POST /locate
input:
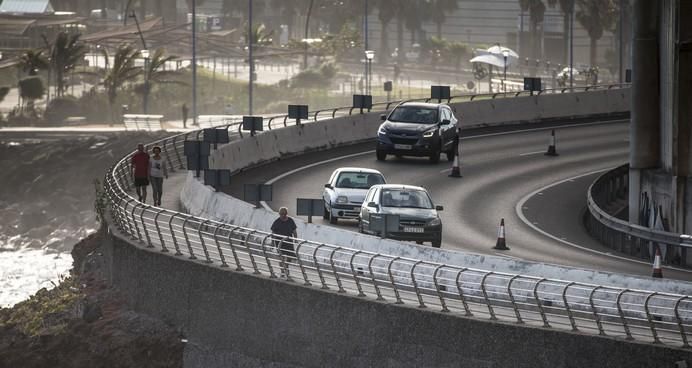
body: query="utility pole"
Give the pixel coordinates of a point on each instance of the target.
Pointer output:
(251, 61)
(365, 35)
(571, 48)
(194, 62)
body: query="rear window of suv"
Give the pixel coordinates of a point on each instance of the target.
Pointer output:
(356, 180)
(414, 114)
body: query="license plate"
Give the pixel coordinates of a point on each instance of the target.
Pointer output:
(403, 146)
(413, 229)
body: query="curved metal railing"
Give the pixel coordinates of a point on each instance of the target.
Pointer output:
(632, 239)
(603, 310)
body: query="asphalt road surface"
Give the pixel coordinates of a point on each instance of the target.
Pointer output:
(505, 175)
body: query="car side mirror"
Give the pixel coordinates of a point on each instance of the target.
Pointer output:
(373, 204)
(446, 122)
(439, 208)
(328, 186)
(383, 117)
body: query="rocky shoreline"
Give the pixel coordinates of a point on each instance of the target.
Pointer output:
(82, 322)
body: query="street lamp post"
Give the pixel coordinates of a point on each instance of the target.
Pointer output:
(145, 99)
(250, 60)
(369, 55)
(505, 55)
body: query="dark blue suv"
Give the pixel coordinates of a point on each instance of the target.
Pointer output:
(417, 129)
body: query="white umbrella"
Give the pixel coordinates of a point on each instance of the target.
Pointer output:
(500, 50)
(491, 59)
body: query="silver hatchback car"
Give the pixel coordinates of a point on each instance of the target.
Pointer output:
(418, 217)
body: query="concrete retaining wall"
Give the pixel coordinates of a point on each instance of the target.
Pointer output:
(236, 319)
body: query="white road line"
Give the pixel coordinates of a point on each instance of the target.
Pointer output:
(520, 213)
(531, 153)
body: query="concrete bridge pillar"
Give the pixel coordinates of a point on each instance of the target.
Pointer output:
(660, 136)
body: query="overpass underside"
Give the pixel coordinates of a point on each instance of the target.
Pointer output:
(660, 191)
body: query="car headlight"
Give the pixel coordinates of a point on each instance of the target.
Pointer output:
(382, 131)
(429, 134)
(435, 222)
(341, 199)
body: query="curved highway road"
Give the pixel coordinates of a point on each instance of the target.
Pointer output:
(505, 175)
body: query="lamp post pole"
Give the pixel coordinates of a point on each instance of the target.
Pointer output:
(194, 62)
(571, 48)
(145, 100)
(504, 78)
(365, 44)
(250, 60)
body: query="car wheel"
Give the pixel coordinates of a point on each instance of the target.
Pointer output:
(437, 243)
(435, 156)
(333, 219)
(381, 156)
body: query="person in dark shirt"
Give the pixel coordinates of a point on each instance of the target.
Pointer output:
(284, 230)
(140, 172)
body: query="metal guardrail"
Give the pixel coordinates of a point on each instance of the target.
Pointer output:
(634, 240)
(142, 122)
(602, 310)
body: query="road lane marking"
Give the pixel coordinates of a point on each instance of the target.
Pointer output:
(520, 213)
(531, 153)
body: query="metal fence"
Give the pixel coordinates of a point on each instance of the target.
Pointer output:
(631, 239)
(602, 310)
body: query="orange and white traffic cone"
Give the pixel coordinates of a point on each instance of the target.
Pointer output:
(456, 170)
(657, 272)
(551, 145)
(501, 244)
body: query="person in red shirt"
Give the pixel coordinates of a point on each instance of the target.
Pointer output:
(140, 172)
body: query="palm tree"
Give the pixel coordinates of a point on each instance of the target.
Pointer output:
(32, 61)
(123, 70)
(596, 16)
(66, 53)
(440, 8)
(386, 11)
(567, 7)
(536, 10)
(414, 14)
(458, 51)
(154, 74)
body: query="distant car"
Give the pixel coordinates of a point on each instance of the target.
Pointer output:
(418, 217)
(417, 129)
(344, 193)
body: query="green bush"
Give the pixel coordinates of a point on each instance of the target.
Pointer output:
(31, 88)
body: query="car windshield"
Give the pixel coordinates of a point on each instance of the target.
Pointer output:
(414, 114)
(357, 180)
(406, 198)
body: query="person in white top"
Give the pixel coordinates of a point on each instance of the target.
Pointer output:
(157, 171)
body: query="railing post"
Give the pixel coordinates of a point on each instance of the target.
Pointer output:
(272, 275)
(683, 334)
(569, 310)
(622, 314)
(187, 239)
(300, 264)
(594, 311)
(336, 274)
(372, 277)
(355, 274)
(134, 220)
(415, 285)
(649, 317)
(461, 293)
(438, 288)
(392, 281)
(238, 266)
(539, 304)
(175, 241)
(249, 252)
(218, 246)
(317, 266)
(485, 295)
(144, 225)
(511, 298)
(201, 240)
(158, 230)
